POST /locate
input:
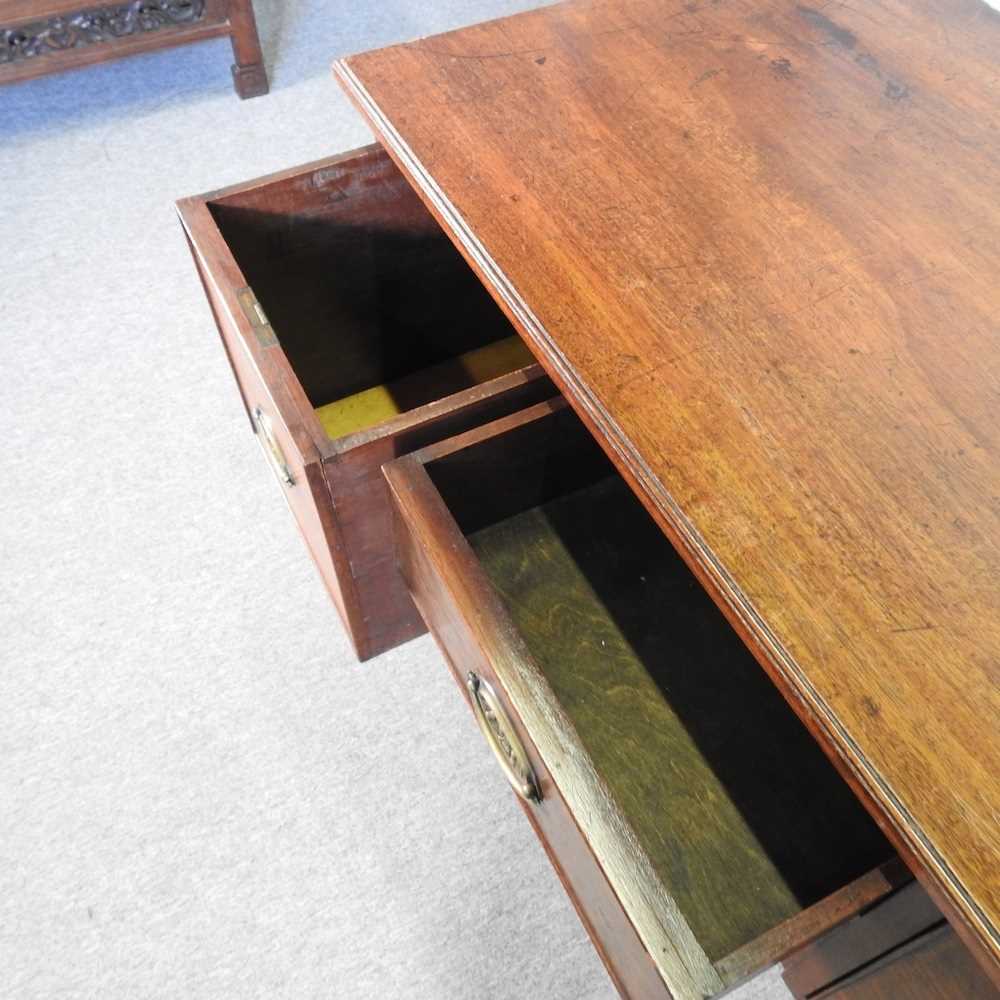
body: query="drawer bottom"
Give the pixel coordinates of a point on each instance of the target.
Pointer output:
(372, 406)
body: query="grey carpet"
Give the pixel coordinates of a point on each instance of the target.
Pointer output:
(201, 793)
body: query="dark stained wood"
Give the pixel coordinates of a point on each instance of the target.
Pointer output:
(934, 967)
(38, 37)
(327, 251)
(874, 931)
(526, 558)
(249, 74)
(756, 244)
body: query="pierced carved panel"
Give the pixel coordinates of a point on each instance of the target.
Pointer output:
(89, 27)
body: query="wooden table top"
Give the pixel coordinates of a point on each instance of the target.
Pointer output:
(758, 246)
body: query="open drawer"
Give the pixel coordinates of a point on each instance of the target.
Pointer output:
(356, 332)
(699, 829)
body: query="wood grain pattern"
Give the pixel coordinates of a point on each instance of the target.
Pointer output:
(757, 246)
(738, 810)
(468, 488)
(445, 609)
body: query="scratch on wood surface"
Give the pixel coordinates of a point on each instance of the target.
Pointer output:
(896, 91)
(782, 68)
(768, 313)
(476, 56)
(633, 94)
(832, 292)
(928, 276)
(867, 61)
(707, 75)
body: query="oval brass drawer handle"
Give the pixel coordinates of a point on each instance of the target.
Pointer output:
(272, 450)
(503, 740)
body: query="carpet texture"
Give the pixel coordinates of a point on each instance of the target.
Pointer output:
(203, 795)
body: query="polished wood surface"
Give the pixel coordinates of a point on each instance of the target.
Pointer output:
(757, 245)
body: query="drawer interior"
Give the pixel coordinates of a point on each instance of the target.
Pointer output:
(745, 821)
(375, 309)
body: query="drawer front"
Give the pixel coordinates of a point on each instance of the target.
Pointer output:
(493, 493)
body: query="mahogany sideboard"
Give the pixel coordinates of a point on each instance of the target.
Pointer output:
(48, 36)
(649, 359)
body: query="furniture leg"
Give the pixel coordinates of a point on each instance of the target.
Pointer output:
(249, 75)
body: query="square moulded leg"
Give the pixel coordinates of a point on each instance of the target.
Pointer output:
(249, 75)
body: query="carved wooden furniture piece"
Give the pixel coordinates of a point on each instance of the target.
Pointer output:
(47, 36)
(755, 246)
(356, 333)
